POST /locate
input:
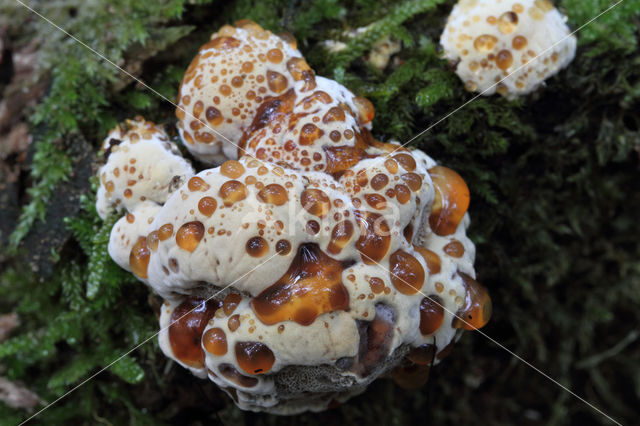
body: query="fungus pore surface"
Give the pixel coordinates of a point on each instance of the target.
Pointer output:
(314, 258)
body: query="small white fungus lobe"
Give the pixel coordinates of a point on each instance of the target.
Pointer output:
(515, 43)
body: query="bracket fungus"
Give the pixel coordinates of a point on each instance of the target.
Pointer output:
(315, 258)
(515, 43)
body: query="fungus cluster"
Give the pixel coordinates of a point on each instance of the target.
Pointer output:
(491, 42)
(315, 258)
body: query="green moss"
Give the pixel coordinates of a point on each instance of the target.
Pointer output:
(555, 202)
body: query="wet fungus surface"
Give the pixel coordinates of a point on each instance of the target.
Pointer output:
(312, 286)
(509, 46)
(311, 247)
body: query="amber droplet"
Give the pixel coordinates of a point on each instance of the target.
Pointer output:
(234, 322)
(477, 307)
(139, 258)
(309, 134)
(502, 89)
(408, 233)
(454, 249)
(410, 377)
(214, 116)
(197, 109)
(196, 183)
(277, 82)
(340, 236)
(403, 194)
(485, 43)
(165, 231)
(311, 286)
(231, 373)
(507, 22)
(422, 355)
(153, 240)
(188, 321)
(215, 341)
(519, 42)
(312, 227)
(536, 13)
(275, 56)
(406, 161)
(339, 158)
(391, 166)
(366, 111)
(247, 67)
(504, 60)
(300, 70)
(283, 247)
(407, 274)
(376, 284)
(207, 206)
(232, 191)
(273, 194)
(237, 81)
(431, 259)
(361, 178)
(188, 138)
(315, 201)
(413, 180)
(379, 181)
(375, 236)
(231, 302)
(232, 169)
(315, 97)
(451, 200)
(298, 67)
(257, 247)
(376, 201)
(225, 90)
(334, 114)
(254, 357)
(189, 235)
(544, 5)
(431, 314)
(222, 43)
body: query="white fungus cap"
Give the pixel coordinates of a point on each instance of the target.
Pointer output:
(142, 165)
(490, 39)
(226, 83)
(316, 262)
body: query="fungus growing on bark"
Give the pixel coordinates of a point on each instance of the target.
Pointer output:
(489, 40)
(315, 258)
